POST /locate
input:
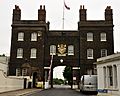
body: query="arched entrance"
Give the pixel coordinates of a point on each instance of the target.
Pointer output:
(61, 53)
(58, 77)
(50, 76)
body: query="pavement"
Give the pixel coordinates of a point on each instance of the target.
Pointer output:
(105, 94)
(20, 92)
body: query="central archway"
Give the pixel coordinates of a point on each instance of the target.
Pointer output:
(58, 80)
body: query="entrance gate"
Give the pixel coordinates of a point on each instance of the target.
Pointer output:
(48, 71)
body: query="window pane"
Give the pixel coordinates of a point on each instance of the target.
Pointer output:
(52, 50)
(18, 72)
(89, 36)
(24, 72)
(34, 37)
(103, 36)
(21, 36)
(33, 53)
(89, 53)
(19, 53)
(110, 76)
(70, 50)
(103, 52)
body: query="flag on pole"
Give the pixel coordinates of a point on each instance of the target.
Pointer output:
(66, 6)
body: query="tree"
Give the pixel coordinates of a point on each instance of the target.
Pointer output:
(58, 81)
(67, 73)
(2, 55)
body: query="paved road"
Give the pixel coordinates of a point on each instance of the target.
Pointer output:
(58, 92)
(20, 92)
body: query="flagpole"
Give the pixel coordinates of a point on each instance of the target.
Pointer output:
(68, 8)
(63, 15)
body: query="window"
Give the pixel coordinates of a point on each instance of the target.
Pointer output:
(70, 50)
(103, 52)
(89, 36)
(105, 77)
(89, 53)
(24, 72)
(34, 37)
(110, 76)
(52, 50)
(20, 36)
(115, 76)
(103, 37)
(33, 53)
(18, 73)
(19, 53)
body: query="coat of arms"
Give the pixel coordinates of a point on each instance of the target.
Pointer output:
(61, 49)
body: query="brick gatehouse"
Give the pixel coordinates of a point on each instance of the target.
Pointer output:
(33, 44)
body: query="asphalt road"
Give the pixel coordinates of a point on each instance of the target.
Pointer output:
(58, 92)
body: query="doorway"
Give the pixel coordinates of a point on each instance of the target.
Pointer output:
(34, 79)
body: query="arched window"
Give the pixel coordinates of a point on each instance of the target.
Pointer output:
(20, 36)
(89, 53)
(33, 53)
(89, 36)
(19, 53)
(70, 50)
(103, 37)
(115, 82)
(110, 75)
(105, 77)
(34, 36)
(52, 50)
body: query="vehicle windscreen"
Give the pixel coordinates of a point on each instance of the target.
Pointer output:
(90, 80)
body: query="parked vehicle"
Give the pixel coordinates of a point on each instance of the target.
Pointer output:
(39, 85)
(88, 83)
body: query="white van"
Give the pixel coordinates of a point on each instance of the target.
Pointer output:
(88, 83)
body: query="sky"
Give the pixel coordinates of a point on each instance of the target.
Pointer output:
(54, 14)
(58, 72)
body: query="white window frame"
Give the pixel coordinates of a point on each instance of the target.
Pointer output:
(110, 76)
(103, 37)
(70, 50)
(20, 36)
(19, 53)
(89, 36)
(103, 52)
(89, 53)
(33, 53)
(34, 36)
(24, 72)
(52, 49)
(18, 72)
